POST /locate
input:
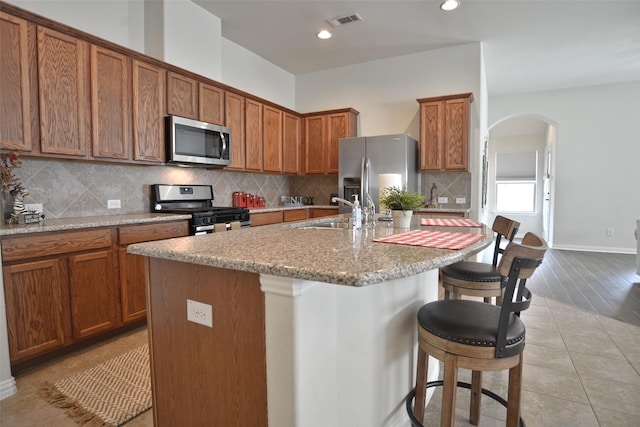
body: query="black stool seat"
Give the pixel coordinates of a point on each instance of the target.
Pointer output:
(472, 271)
(467, 322)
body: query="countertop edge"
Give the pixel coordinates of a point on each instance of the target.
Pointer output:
(65, 224)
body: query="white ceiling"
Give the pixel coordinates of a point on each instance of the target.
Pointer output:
(528, 45)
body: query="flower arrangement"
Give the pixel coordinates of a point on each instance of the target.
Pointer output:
(395, 198)
(10, 182)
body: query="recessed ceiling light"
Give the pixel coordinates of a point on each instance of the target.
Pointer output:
(449, 5)
(324, 34)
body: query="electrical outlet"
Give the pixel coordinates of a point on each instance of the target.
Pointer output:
(201, 313)
(37, 207)
(113, 204)
(443, 200)
(610, 232)
(461, 200)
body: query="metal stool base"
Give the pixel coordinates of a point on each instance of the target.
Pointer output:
(417, 423)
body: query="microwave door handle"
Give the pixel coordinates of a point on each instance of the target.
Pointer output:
(224, 145)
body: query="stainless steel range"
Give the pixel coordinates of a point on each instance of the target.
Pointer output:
(196, 200)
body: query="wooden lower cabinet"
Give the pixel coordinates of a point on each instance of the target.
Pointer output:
(295, 215)
(133, 299)
(37, 306)
(93, 293)
(65, 289)
(319, 213)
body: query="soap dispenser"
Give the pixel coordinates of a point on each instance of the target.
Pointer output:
(356, 214)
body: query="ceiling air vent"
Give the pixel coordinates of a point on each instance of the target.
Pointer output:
(346, 19)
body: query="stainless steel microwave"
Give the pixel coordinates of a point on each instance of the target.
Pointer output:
(192, 142)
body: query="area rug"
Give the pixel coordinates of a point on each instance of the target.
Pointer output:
(109, 394)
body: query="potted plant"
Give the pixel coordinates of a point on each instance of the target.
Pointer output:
(402, 204)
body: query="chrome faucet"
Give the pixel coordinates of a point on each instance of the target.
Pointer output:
(338, 199)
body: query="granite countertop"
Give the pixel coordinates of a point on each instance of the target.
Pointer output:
(436, 210)
(88, 222)
(338, 256)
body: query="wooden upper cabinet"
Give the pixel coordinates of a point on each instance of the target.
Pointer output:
(322, 134)
(63, 93)
(211, 104)
(234, 120)
(314, 137)
(340, 125)
(15, 93)
(182, 96)
(148, 112)
(272, 144)
(253, 135)
(444, 132)
(110, 104)
(291, 147)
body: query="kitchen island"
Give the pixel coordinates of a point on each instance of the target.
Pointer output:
(291, 324)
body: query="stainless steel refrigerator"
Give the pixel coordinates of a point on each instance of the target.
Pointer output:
(362, 159)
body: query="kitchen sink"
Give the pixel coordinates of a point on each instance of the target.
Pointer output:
(326, 225)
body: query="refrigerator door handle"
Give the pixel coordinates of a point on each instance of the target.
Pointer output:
(366, 163)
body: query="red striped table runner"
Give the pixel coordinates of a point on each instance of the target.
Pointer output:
(433, 239)
(449, 222)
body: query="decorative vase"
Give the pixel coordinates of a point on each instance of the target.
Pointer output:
(401, 219)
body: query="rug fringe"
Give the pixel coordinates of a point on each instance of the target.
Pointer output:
(52, 395)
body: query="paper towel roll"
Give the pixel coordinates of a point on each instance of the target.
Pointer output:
(386, 180)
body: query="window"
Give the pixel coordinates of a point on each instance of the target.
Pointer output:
(516, 181)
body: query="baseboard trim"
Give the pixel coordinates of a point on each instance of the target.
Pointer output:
(8, 388)
(604, 249)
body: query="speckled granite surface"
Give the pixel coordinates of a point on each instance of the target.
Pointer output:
(88, 222)
(339, 256)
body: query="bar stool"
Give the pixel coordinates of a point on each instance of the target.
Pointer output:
(479, 278)
(478, 336)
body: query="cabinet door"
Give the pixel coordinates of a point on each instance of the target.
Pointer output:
(15, 97)
(234, 114)
(338, 127)
(93, 292)
(133, 299)
(110, 104)
(272, 145)
(456, 144)
(148, 112)
(253, 135)
(182, 96)
(314, 132)
(63, 93)
(37, 296)
(291, 144)
(211, 104)
(431, 135)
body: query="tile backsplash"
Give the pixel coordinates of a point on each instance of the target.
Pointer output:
(448, 184)
(73, 188)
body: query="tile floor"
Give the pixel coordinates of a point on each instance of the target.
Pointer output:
(582, 368)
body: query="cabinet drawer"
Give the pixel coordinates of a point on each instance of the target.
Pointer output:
(265, 218)
(318, 213)
(39, 245)
(295, 215)
(156, 231)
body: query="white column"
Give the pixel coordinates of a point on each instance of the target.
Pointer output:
(342, 355)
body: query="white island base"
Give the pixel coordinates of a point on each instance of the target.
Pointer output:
(342, 355)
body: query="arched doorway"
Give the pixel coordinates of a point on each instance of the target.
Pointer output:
(518, 173)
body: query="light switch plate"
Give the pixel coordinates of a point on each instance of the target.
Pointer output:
(113, 204)
(443, 200)
(201, 313)
(461, 200)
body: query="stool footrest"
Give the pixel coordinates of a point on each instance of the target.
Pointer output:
(418, 423)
